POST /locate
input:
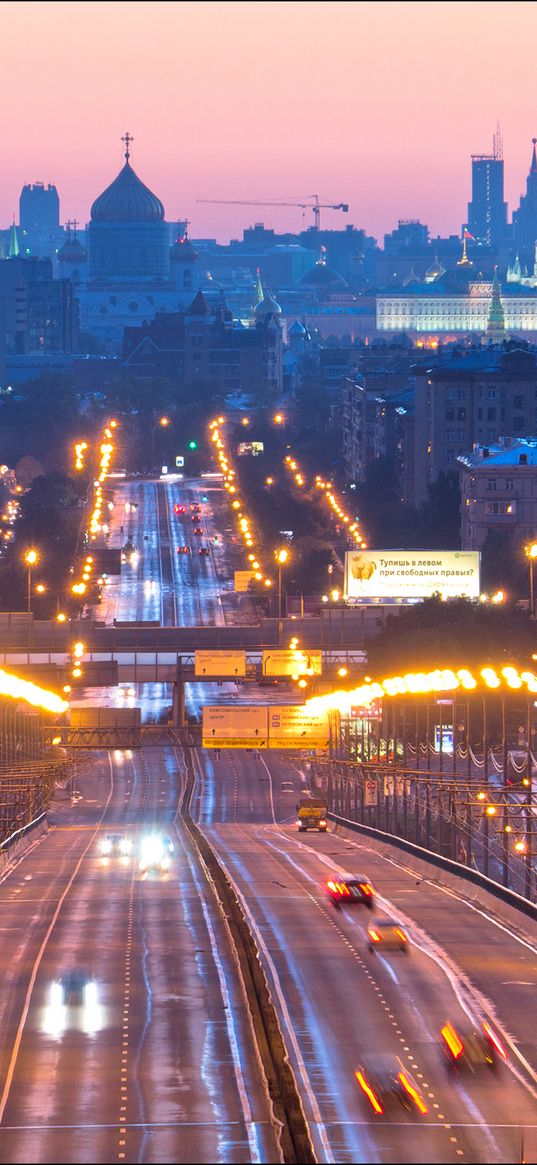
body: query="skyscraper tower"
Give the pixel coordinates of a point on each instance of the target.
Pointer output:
(525, 218)
(487, 212)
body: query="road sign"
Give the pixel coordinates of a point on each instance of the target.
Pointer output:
(234, 726)
(293, 726)
(370, 793)
(220, 663)
(292, 663)
(179, 462)
(243, 579)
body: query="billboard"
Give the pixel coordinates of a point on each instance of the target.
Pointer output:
(234, 726)
(293, 726)
(250, 448)
(242, 580)
(219, 663)
(276, 662)
(390, 576)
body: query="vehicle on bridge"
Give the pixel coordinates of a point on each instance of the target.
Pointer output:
(155, 853)
(387, 1084)
(388, 934)
(184, 550)
(115, 845)
(471, 1049)
(204, 551)
(351, 890)
(129, 553)
(177, 509)
(73, 1002)
(311, 814)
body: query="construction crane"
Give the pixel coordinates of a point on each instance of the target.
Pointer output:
(313, 204)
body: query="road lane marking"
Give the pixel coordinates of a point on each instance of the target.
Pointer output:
(29, 991)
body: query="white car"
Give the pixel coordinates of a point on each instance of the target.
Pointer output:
(154, 854)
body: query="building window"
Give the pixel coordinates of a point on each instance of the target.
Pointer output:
(491, 414)
(461, 414)
(461, 394)
(450, 414)
(491, 483)
(491, 393)
(518, 424)
(509, 484)
(450, 434)
(480, 414)
(519, 402)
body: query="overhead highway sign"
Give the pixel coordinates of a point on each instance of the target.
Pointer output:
(276, 662)
(220, 663)
(234, 726)
(293, 726)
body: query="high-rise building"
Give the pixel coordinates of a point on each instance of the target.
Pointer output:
(525, 218)
(487, 212)
(39, 206)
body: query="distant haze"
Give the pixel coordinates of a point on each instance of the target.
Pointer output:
(377, 105)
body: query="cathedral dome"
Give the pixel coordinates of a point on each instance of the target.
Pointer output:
(267, 307)
(127, 200)
(72, 251)
(183, 251)
(323, 278)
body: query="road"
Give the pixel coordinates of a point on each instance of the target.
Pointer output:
(169, 1071)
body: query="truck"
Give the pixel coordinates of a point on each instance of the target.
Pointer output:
(311, 814)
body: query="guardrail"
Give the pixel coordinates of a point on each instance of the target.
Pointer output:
(461, 871)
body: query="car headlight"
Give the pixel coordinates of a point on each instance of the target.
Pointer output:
(56, 995)
(106, 847)
(91, 997)
(125, 845)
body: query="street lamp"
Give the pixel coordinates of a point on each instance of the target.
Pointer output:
(31, 559)
(531, 552)
(281, 557)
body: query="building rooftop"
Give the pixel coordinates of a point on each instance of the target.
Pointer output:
(510, 452)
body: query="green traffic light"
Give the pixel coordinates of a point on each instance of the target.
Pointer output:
(192, 444)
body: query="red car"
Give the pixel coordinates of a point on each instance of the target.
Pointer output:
(197, 530)
(184, 550)
(351, 891)
(177, 509)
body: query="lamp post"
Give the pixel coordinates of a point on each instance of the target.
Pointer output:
(162, 423)
(281, 557)
(531, 552)
(31, 559)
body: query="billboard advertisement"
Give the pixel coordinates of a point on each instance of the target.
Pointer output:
(250, 448)
(391, 576)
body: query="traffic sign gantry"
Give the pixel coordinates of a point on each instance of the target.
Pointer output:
(293, 726)
(220, 663)
(291, 662)
(236, 726)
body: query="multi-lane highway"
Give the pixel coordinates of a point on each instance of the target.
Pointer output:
(164, 1067)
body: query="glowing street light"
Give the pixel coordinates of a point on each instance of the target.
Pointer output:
(281, 557)
(31, 559)
(531, 553)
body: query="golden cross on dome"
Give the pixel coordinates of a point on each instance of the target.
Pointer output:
(127, 139)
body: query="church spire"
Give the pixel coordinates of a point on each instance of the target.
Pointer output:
(533, 167)
(496, 320)
(259, 293)
(14, 248)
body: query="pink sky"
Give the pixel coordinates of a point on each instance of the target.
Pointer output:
(378, 105)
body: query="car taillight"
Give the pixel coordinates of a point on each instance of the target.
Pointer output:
(414, 1095)
(373, 1100)
(401, 934)
(374, 936)
(366, 889)
(322, 822)
(494, 1040)
(452, 1040)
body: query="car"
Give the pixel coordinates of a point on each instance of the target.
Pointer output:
(351, 890)
(197, 530)
(472, 1048)
(177, 509)
(129, 553)
(184, 550)
(195, 506)
(388, 934)
(204, 551)
(195, 516)
(73, 1002)
(387, 1084)
(114, 845)
(155, 853)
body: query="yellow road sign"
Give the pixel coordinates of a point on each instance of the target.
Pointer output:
(278, 662)
(220, 663)
(293, 726)
(234, 726)
(243, 579)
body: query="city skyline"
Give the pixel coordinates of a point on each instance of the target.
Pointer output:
(376, 105)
